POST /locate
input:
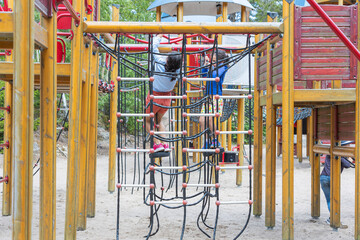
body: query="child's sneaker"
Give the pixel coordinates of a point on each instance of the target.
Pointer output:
(159, 147)
(215, 144)
(166, 147)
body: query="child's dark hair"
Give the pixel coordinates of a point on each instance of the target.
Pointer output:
(222, 55)
(173, 63)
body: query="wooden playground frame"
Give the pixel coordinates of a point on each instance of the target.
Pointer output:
(19, 32)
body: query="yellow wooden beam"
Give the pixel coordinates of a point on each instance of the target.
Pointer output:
(94, 71)
(288, 122)
(74, 127)
(84, 127)
(7, 28)
(315, 170)
(240, 139)
(299, 139)
(23, 119)
(48, 133)
(180, 12)
(7, 25)
(7, 164)
(315, 96)
(335, 171)
(182, 28)
(158, 14)
(258, 129)
(270, 146)
(94, 65)
(113, 132)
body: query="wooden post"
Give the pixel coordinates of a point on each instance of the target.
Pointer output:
(74, 126)
(84, 130)
(113, 132)
(270, 143)
(158, 14)
(258, 128)
(7, 166)
(225, 11)
(335, 171)
(113, 118)
(308, 122)
(315, 168)
(288, 122)
(240, 139)
(180, 12)
(223, 126)
(23, 119)
(7, 171)
(229, 140)
(94, 73)
(48, 133)
(357, 149)
(299, 139)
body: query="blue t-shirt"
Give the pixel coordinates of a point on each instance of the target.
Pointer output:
(211, 85)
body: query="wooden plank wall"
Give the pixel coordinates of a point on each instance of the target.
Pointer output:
(345, 123)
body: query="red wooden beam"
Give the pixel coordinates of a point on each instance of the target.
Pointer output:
(335, 28)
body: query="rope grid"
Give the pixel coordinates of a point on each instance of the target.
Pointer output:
(166, 183)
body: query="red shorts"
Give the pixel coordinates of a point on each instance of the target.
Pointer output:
(163, 102)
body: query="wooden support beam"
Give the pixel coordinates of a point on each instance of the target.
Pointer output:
(240, 139)
(288, 122)
(7, 164)
(299, 139)
(357, 148)
(258, 129)
(113, 132)
(84, 136)
(308, 122)
(23, 119)
(312, 97)
(229, 127)
(180, 12)
(335, 171)
(74, 127)
(48, 133)
(7, 27)
(113, 119)
(183, 28)
(270, 145)
(315, 169)
(158, 14)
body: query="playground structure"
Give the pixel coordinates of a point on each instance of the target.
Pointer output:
(302, 76)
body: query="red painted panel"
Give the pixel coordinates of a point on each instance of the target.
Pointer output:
(354, 40)
(325, 71)
(325, 52)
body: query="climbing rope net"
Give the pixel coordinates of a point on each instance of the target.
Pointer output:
(169, 180)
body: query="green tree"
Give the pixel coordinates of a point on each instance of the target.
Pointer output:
(264, 6)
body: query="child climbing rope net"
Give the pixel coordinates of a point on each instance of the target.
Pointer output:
(152, 173)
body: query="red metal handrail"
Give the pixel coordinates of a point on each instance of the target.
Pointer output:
(335, 28)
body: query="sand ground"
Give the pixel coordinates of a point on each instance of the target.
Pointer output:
(134, 215)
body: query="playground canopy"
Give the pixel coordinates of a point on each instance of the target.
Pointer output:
(204, 7)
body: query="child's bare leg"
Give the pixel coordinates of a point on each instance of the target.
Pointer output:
(148, 124)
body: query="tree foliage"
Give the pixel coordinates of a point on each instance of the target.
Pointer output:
(264, 6)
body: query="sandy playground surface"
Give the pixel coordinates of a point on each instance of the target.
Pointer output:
(135, 215)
